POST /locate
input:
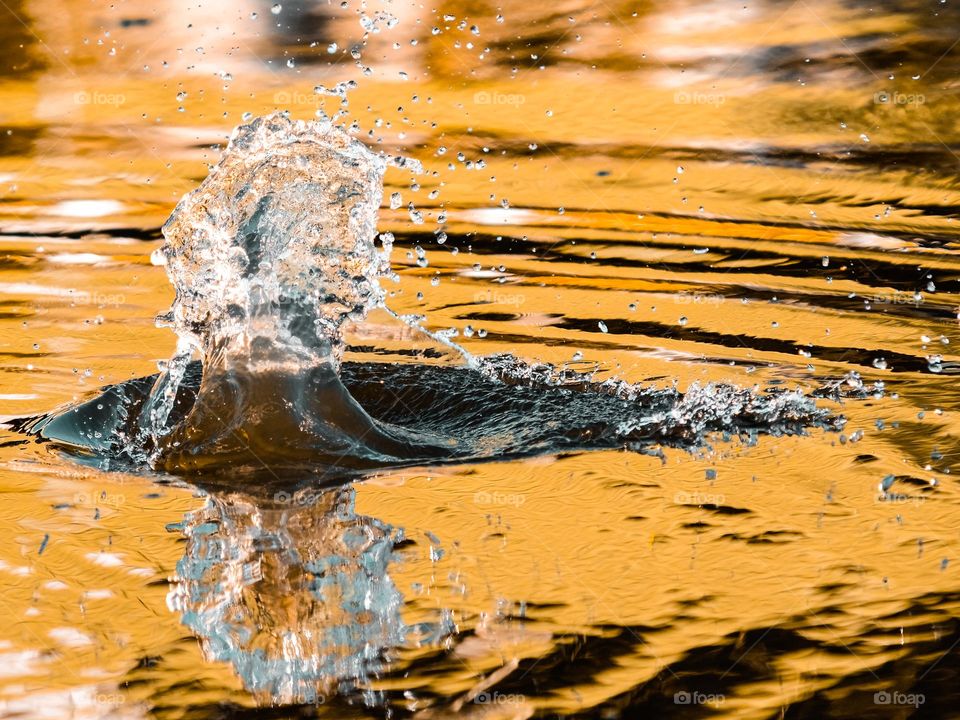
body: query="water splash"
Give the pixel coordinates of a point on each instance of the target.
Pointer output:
(270, 256)
(276, 249)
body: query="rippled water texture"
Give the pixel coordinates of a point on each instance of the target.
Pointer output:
(666, 197)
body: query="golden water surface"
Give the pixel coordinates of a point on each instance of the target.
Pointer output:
(754, 192)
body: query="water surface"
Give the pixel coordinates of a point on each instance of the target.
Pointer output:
(739, 195)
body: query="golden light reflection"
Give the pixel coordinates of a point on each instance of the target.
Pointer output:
(761, 194)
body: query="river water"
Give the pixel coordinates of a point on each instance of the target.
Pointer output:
(761, 195)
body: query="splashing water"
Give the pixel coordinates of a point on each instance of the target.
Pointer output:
(275, 249)
(269, 257)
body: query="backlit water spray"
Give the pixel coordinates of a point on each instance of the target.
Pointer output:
(270, 256)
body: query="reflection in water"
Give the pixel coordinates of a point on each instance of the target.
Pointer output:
(296, 594)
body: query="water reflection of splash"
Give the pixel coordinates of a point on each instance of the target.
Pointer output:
(295, 594)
